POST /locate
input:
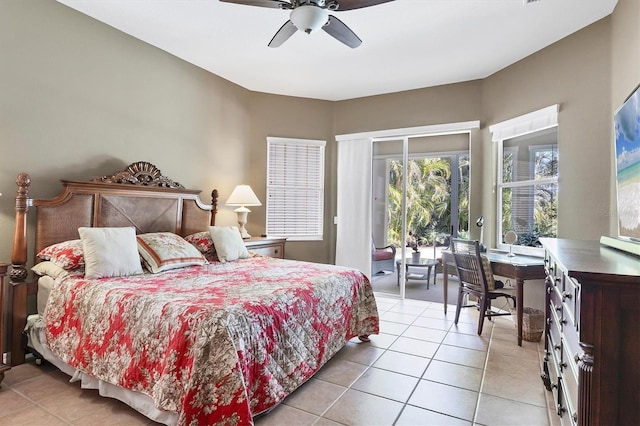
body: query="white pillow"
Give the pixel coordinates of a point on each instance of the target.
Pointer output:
(228, 243)
(110, 252)
(48, 268)
(165, 250)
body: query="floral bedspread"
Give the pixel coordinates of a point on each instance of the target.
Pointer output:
(217, 343)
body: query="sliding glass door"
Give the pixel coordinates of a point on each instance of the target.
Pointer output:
(420, 200)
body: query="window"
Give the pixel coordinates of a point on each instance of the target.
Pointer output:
(527, 178)
(295, 188)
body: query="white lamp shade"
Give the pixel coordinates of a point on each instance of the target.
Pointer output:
(309, 18)
(243, 195)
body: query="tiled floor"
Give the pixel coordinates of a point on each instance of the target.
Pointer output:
(421, 370)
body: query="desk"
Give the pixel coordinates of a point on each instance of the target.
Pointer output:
(519, 268)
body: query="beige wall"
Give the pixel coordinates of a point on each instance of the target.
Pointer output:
(625, 73)
(81, 99)
(289, 117)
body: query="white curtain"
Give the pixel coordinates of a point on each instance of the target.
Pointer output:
(353, 233)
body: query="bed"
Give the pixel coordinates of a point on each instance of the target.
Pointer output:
(180, 332)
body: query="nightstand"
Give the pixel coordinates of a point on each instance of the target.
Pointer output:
(3, 367)
(272, 247)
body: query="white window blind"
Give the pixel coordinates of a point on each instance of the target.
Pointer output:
(295, 188)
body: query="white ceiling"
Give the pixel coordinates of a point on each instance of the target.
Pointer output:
(407, 44)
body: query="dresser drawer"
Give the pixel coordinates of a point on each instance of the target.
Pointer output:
(552, 270)
(570, 381)
(570, 297)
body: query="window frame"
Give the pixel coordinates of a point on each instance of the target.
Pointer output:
(318, 189)
(543, 119)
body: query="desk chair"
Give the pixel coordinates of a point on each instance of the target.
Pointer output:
(476, 278)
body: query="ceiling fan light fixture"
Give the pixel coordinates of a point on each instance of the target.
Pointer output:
(309, 18)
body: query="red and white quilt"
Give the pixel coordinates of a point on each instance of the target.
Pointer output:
(217, 343)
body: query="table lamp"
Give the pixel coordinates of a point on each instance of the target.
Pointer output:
(243, 196)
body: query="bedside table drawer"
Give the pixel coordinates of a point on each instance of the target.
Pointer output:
(271, 251)
(271, 247)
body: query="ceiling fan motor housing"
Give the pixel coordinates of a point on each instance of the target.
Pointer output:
(309, 18)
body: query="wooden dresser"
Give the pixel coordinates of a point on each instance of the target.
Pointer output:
(272, 247)
(592, 358)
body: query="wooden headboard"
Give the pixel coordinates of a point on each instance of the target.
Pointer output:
(139, 196)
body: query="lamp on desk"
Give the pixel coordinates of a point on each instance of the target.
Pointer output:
(243, 196)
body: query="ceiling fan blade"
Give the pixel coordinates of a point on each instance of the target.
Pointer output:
(357, 4)
(337, 29)
(276, 4)
(283, 34)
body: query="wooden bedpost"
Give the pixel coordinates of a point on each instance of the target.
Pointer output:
(214, 206)
(18, 275)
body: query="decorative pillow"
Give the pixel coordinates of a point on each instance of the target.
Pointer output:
(228, 243)
(48, 268)
(67, 255)
(164, 250)
(488, 272)
(202, 241)
(110, 252)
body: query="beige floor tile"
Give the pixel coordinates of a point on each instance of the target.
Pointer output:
(437, 323)
(462, 356)
(498, 411)
(286, 415)
(392, 327)
(12, 402)
(382, 340)
(454, 374)
(469, 341)
(399, 318)
(471, 328)
(73, 407)
(520, 388)
(46, 385)
(414, 347)
(359, 408)
(511, 348)
(398, 362)
(32, 416)
(113, 412)
(415, 416)
(445, 399)
(408, 309)
(386, 384)
(423, 333)
(315, 396)
(362, 353)
(524, 367)
(340, 372)
(25, 371)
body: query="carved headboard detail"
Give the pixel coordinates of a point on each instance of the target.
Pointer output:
(139, 196)
(140, 173)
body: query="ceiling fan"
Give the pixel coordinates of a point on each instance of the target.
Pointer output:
(311, 15)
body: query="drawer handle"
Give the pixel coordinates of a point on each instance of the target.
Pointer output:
(559, 308)
(549, 321)
(566, 295)
(276, 251)
(561, 410)
(563, 321)
(557, 347)
(577, 358)
(548, 290)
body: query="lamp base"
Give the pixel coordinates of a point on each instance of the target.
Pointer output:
(242, 213)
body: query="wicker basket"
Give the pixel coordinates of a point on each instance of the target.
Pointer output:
(532, 323)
